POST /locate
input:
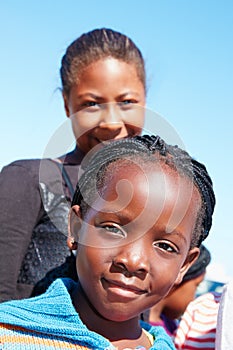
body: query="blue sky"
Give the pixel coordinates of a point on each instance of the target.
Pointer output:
(187, 46)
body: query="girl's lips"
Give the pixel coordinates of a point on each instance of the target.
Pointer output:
(122, 289)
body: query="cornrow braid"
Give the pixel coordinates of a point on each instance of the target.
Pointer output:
(149, 149)
(200, 176)
(95, 45)
(205, 185)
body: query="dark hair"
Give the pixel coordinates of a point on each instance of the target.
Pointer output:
(148, 149)
(95, 45)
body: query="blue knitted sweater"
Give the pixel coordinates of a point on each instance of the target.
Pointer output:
(50, 321)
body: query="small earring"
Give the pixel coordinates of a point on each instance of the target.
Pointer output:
(73, 243)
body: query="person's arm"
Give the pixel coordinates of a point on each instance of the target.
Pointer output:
(20, 205)
(224, 334)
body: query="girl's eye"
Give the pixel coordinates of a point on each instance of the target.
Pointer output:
(168, 247)
(89, 104)
(113, 230)
(89, 107)
(127, 102)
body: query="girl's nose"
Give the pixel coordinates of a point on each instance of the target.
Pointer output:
(111, 117)
(133, 259)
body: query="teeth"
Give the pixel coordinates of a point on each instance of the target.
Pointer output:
(105, 142)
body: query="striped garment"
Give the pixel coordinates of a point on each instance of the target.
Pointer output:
(18, 338)
(197, 328)
(50, 321)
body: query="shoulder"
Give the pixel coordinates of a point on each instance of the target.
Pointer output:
(55, 301)
(206, 301)
(19, 176)
(34, 168)
(210, 296)
(198, 321)
(51, 315)
(31, 166)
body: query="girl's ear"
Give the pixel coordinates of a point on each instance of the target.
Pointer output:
(189, 261)
(74, 226)
(66, 104)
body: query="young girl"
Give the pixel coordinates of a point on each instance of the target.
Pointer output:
(140, 211)
(103, 87)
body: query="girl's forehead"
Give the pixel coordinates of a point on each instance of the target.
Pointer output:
(151, 187)
(108, 64)
(146, 174)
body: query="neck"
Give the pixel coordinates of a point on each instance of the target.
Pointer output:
(155, 312)
(141, 342)
(74, 157)
(121, 334)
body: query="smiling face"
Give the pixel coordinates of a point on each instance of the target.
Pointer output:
(134, 244)
(106, 103)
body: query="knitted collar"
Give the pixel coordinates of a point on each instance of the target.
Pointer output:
(53, 314)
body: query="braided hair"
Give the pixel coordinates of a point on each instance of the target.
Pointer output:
(150, 149)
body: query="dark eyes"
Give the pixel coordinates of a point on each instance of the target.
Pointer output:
(92, 104)
(127, 102)
(166, 246)
(89, 104)
(113, 230)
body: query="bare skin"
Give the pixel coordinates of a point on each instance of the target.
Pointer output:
(124, 265)
(106, 103)
(174, 305)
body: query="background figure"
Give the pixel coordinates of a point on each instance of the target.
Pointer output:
(197, 328)
(103, 85)
(168, 311)
(224, 332)
(139, 214)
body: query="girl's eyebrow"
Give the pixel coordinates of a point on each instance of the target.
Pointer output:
(175, 233)
(89, 95)
(97, 97)
(113, 215)
(130, 92)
